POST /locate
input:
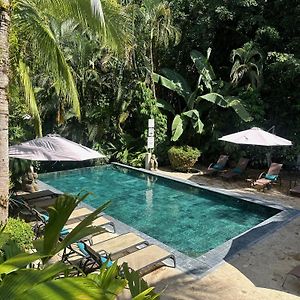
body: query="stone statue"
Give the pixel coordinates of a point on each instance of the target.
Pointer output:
(29, 181)
(153, 165)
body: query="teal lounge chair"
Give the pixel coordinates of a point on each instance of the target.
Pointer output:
(266, 179)
(218, 166)
(142, 260)
(238, 171)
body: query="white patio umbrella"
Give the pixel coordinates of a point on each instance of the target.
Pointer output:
(255, 136)
(53, 148)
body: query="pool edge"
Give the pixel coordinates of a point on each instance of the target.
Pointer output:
(206, 263)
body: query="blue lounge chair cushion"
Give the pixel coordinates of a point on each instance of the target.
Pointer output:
(64, 231)
(82, 249)
(108, 262)
(271, 177)
(45, 218)
(85, 253)
(218, 166)
(237, 170)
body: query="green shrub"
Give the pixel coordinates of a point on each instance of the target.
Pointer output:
(183, 158)
(20, 232)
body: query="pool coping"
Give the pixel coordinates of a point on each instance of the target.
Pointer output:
(207, 262)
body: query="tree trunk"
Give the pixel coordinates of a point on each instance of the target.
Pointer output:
(4, 68)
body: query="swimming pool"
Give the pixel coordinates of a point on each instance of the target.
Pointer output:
(189, 219)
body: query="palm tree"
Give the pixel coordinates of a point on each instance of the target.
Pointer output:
(153, 28)
(4, 59)
(30, 19)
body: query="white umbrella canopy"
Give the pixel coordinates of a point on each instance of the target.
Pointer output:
(53, 148)
(255, 136)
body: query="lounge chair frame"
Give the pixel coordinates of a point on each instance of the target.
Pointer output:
(83, 263)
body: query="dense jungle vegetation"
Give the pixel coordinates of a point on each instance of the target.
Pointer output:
(201, 68)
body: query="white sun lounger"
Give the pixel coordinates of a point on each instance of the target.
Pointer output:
(100, 221)
(119, 244)
(81, 213)
(147, 258)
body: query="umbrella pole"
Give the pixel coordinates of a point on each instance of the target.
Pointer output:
(269, 159)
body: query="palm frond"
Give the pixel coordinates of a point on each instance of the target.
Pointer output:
(29, 20)
(29, 96)
(107, 18)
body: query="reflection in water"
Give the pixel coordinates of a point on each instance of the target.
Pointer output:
(149, 191)
(149, 198)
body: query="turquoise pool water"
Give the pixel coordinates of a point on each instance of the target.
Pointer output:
(188, 219)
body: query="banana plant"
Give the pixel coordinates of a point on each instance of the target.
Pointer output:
(207, 82)
(247, 62)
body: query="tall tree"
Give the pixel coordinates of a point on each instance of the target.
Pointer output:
(4, 60)
(31, 18)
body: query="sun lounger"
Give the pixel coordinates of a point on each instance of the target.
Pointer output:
(38, 195)
(143, 260)
(119, 244)
(81, 212)
(94, 255)
(265, 180)
(41, 199)
(218, 166)
(147, 259)
(238, 170)
(100, 221)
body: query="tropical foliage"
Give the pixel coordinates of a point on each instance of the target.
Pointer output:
(219, 67)
(183, 158)
(19, 233)
(193, 108)
(29, 274)
(165, 44)
(38, 44)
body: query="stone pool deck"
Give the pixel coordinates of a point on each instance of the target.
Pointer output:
(256, 272)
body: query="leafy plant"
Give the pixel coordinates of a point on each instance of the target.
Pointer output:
(191, 113)
(35, 38)
(147, 108)
(20, 232)
(183, 158)
(247, 61)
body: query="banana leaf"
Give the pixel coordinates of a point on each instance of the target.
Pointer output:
(165, 105)
(235, 103)
(178, 126)
(195, 119)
